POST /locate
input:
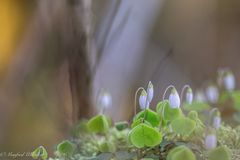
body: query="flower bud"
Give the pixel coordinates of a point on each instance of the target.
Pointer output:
(216, 122)
(150, 92)
(229, 81)
(143, 99)
(147, 104)
(174, 99)
(105, 100)
(212, 94)
(189, 96)
(210, 141)
(199, 96)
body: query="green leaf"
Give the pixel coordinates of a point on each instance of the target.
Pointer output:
(200, 127)
(169, 113)
(183, 125)
(98, 124)
(140, 121)
(224, 96)
(151, 117)
(144, 136)
(121, 125)
(194, 116)
(236, 99)
(196, 106)
(220, 153)
(81, 127)
(65, 148)
(181, 153)
(236, 117)
(40, 152)
(107, 146)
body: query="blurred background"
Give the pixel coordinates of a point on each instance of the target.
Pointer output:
(56, 55)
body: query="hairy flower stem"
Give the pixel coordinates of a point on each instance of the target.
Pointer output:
(162, 113)
(145, 109)
(145, 113)
(163, 98)
(212, 111)
(182, 91)
(165, 92)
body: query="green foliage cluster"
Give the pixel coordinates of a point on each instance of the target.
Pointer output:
(166, 133)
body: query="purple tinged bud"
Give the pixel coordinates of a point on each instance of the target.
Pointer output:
(199, 96)
(143, 99)
(229, 81)
(148, 104)
(150, 92)
(105, 100)
(212, 94)
(189, 96)
(217, 122)
(174, 99)
(210, 141)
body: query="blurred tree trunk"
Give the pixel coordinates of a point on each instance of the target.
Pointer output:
(76, 41)
(58, 33)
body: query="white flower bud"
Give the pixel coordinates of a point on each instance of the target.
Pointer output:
(210, 141)
(105, 100)
(229, 81)
(143, 99)
(217, 122)
(150, 92)
(189, 96)
(199, 96)
(174, 99)
(212, 94)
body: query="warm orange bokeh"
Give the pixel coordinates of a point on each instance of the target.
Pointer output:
(13, 18)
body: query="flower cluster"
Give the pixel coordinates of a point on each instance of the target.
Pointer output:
(177, 128)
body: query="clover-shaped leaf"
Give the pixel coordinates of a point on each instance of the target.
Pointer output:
(144, 136)
(140, 121)
(220, 153)
(200, 127)
(194, 116)
(181, 153)
(196, 106)
(40, 153)
(183, 126)
(65, 148)
(98, 124)
(169, 114)
(151, 117)
(80, 127)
